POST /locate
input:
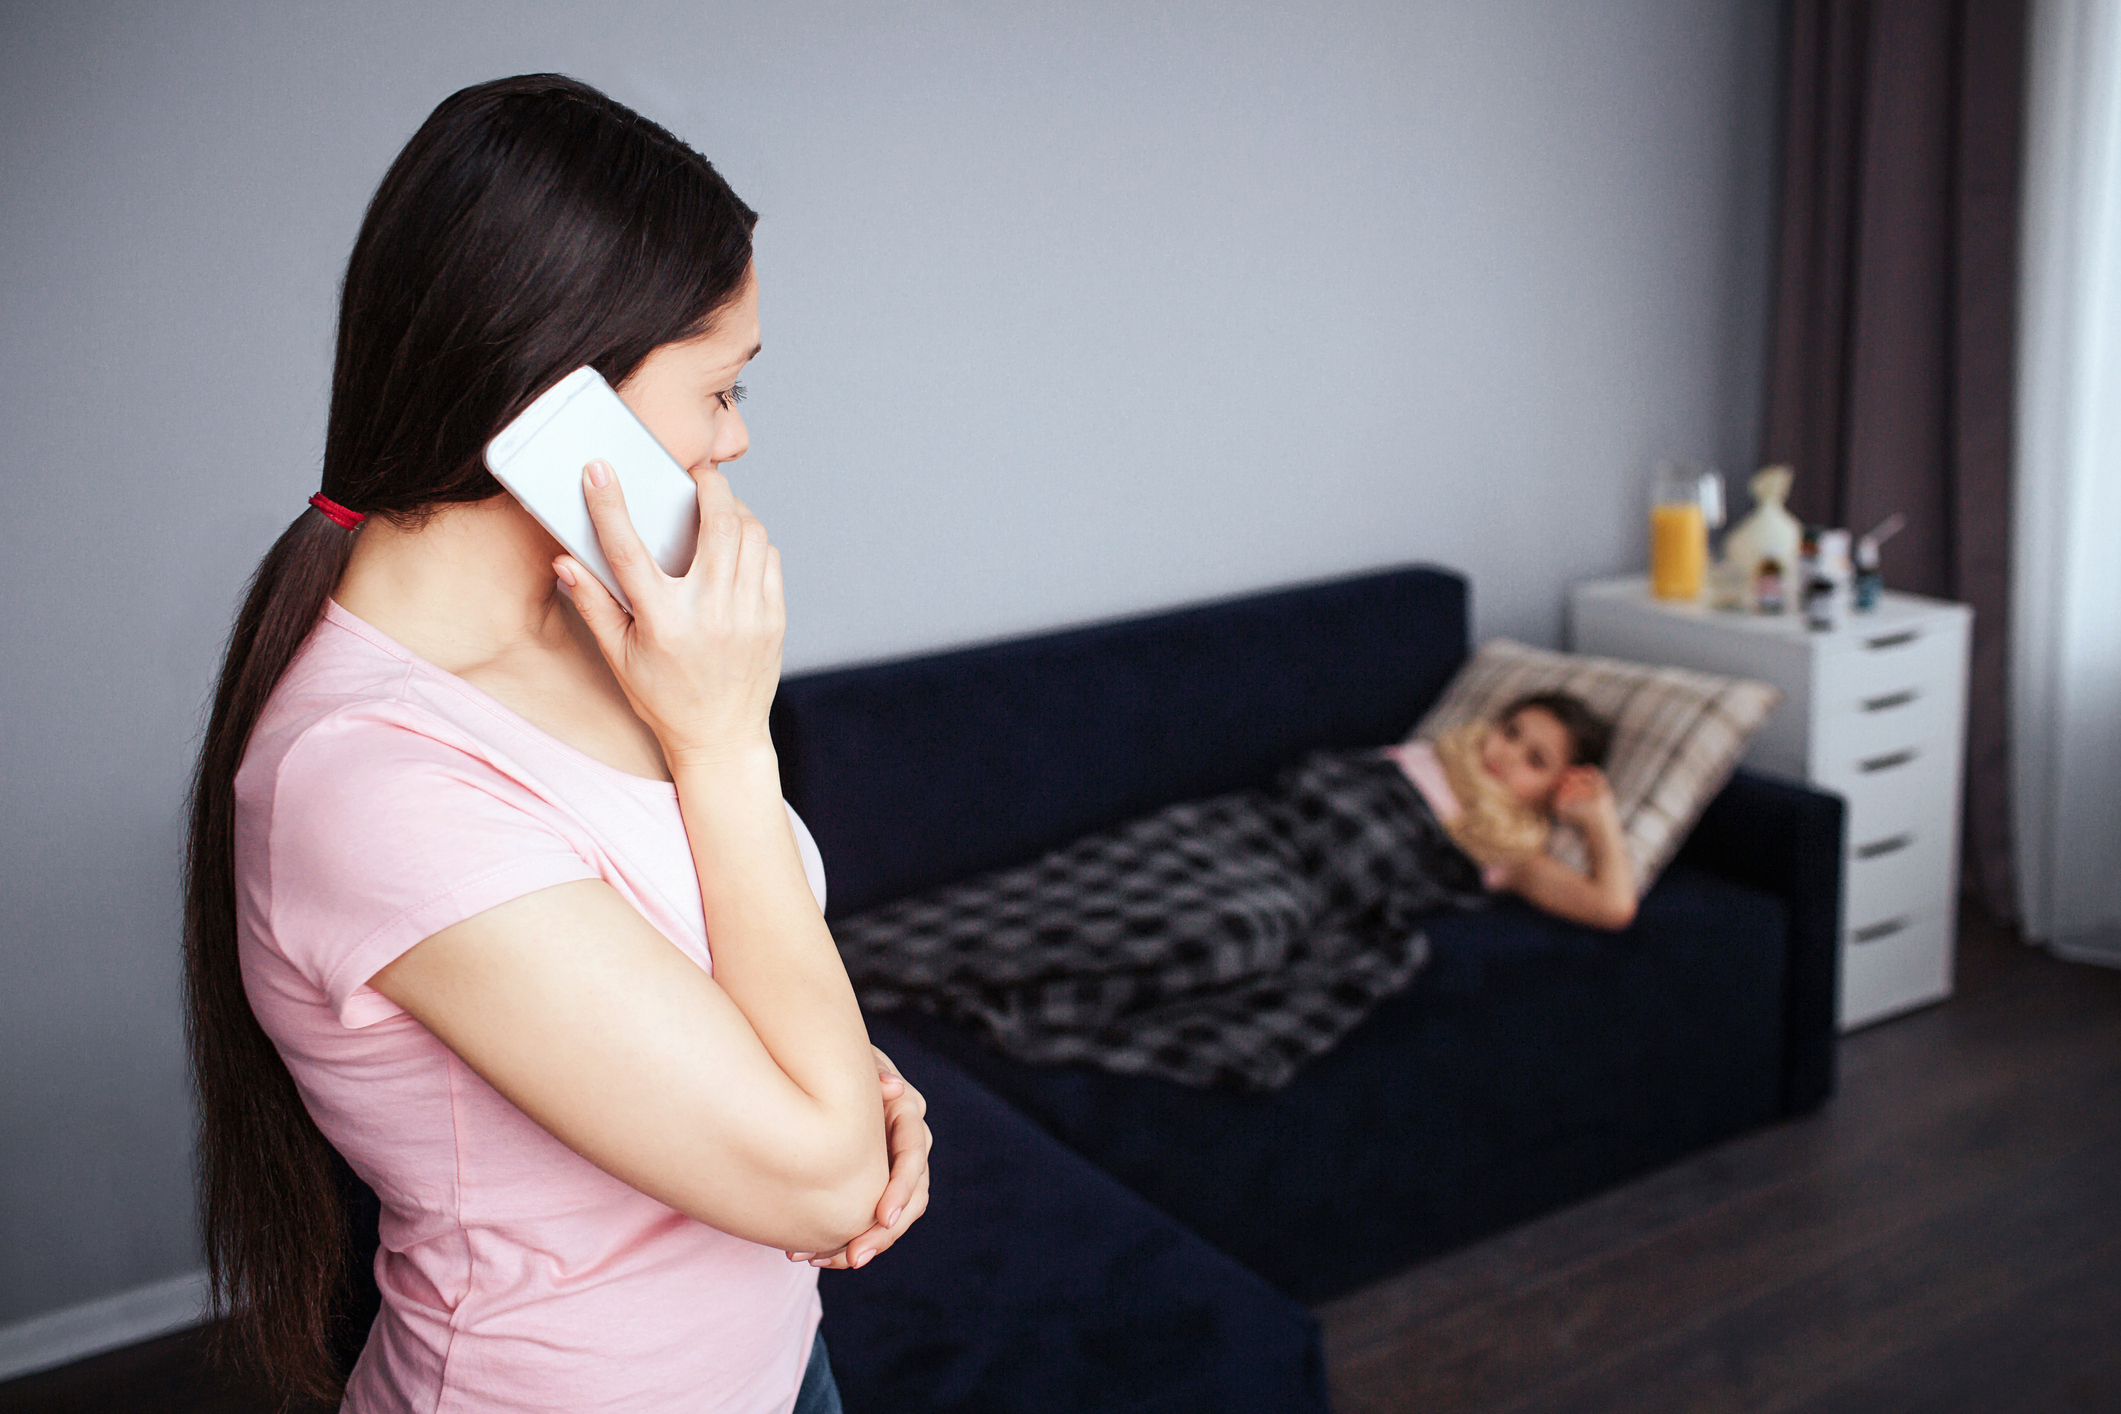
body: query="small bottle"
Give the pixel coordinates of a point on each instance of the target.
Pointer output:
(1767, 587)
(1870, 584)
(1819, 603)
(1815, 586)
(1834, 565)
(1870, 581)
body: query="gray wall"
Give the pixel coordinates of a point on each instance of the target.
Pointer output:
(1069, 312)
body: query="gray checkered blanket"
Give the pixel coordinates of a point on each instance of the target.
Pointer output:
(1217, 942)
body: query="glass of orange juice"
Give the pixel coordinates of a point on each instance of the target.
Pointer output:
(1686, 503)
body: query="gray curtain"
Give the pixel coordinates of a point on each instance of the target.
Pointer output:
(1890, 368)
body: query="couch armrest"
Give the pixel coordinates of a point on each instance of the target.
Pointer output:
(1786, 839)
(1037, 1284)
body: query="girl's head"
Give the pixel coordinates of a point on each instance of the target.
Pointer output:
(530, 226)
(1538, 739)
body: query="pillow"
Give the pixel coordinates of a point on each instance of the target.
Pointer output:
(1677, 734)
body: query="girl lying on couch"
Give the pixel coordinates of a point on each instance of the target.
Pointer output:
(1226, 941)
(1498, 787)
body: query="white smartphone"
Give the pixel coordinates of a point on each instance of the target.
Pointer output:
(540, 455)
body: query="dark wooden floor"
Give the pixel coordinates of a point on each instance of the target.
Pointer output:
(166, 1376)
(1944, 1236)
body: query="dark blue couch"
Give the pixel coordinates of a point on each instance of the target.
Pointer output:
(1105, 1242)
(1099, 1242)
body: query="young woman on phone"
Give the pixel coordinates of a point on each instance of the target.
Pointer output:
(491, 889)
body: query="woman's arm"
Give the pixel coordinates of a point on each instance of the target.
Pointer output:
(595, 1025)
(1605, 898)
(906, 1195)
(748, 1099)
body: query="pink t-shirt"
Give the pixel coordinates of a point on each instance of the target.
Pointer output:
(381, 800)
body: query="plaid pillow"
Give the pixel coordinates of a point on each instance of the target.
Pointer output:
(1677, 734)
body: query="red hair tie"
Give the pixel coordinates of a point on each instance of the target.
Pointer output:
(350, 519)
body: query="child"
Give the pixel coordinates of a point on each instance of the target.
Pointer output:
(1497, 788)
(1227, 941)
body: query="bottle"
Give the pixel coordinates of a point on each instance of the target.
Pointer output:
(1870, 584)
(1835, 567)
(1870, 581)
(1815, 584)
(1770, 532)
(1819, 599)
(1767, 587)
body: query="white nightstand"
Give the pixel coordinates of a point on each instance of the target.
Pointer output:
(1874, 710)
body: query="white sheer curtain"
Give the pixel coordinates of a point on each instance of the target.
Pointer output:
(2066, 717)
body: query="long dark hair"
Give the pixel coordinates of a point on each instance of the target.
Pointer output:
(530, 226)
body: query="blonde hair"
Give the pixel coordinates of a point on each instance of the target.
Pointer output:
(1493, 826)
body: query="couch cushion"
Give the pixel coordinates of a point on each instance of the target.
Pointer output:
(1037, 1283)
(1534, 1064)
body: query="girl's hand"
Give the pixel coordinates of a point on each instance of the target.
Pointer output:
(1584, 798)
(700, 655)
(906, 1193)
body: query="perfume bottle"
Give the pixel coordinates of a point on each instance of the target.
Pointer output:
(1826, 576)
(1767, 587)
(1870, 582)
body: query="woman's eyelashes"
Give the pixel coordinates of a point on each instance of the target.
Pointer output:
(730, 396)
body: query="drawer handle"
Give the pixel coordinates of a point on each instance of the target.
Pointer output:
(1893, 640)
(1889, 701)
(1879, 930)
(1886, 762)
(1891, 844)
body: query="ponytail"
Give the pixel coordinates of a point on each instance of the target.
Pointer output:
(274, 1230)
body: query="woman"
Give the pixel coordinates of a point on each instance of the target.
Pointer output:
(462, 829)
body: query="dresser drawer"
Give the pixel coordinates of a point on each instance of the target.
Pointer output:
(1907, 788)
(1901, 768)
(1894, 964)
(1899, 875)
(1867, 727)
(1881, 659)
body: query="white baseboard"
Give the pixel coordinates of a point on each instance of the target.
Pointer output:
(59, 1337)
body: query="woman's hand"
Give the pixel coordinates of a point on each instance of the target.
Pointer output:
(906, 1193)
(700, 655)
(1584, 798)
